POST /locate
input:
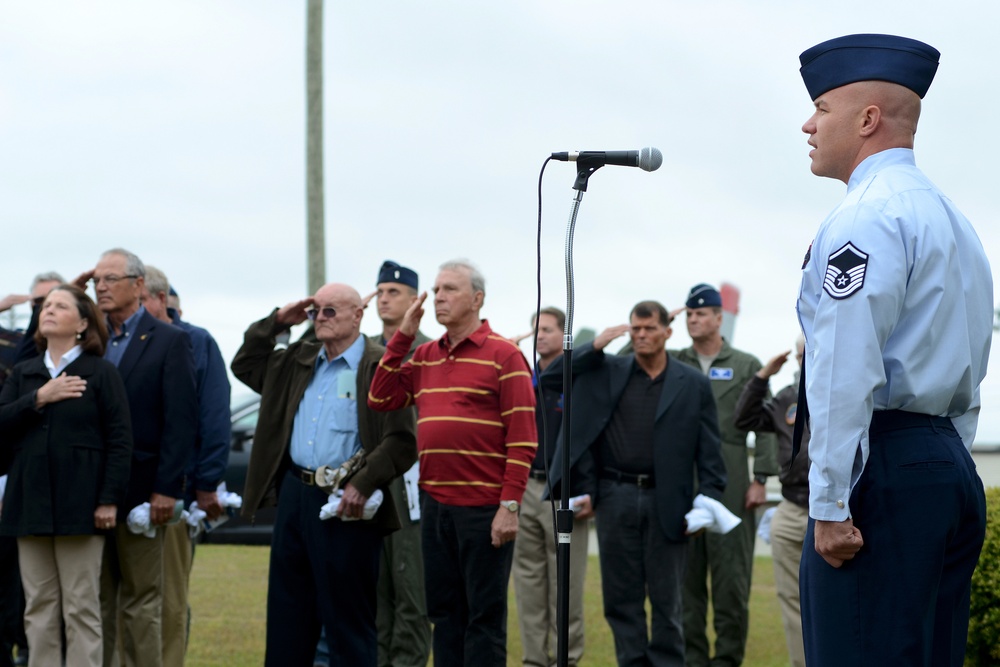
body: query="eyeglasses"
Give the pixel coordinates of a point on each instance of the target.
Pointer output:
(110, 281)
(328, 313)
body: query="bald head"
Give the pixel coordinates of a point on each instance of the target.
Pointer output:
(899, 109)
(856, 121)
(343, 294)
(338, 332)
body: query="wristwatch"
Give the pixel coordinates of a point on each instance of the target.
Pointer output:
(760, 479)
(511, 505)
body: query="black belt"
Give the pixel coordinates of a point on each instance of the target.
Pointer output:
(304, 475)
(537, 475)
(892, 420)
(642, 481)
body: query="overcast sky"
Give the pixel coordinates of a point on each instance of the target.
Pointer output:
(177, 130)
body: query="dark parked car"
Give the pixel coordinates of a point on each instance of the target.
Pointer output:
(239, 530)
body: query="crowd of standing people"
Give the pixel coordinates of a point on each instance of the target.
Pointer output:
(441, 453)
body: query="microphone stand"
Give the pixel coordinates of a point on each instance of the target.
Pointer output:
(564, 515)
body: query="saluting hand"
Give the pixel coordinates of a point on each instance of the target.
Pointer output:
(295, 312)
(84, 278)
(411, 320)
(365, 301)
(603, 339)
(12, 300)
(773, 365)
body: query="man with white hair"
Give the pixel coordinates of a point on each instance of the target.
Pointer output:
(157, 367)
(477, 439)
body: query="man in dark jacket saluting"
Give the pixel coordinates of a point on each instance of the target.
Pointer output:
(650, 423)
(322, 572)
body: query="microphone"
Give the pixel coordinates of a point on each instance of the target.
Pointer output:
(647, 159)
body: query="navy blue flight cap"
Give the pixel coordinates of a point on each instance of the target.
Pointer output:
(852, 58)
(391, 272)
(703, 296)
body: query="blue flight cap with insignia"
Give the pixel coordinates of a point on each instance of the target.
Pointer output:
(173, 292)
(703, 296)
(852, 58)
(391, 272)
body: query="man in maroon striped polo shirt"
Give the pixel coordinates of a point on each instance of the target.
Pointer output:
(477, 438)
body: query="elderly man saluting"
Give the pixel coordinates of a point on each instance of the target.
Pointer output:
(321, 571)
(477, 438)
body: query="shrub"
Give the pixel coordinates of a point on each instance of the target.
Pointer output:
(983, 648)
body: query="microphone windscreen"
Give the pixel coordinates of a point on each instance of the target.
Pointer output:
(650, 159)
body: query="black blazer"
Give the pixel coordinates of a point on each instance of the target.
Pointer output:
(158, 372)
(67, 458)
(687, 454)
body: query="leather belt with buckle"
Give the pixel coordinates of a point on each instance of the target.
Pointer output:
(537, 475)
(307, 477)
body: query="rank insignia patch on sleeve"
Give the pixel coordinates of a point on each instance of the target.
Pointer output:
(845, 272)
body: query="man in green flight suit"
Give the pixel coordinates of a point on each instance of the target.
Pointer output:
(726, 559)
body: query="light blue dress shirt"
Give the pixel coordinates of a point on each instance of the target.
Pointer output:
(118, 343)
(325, 430)
(896, 305)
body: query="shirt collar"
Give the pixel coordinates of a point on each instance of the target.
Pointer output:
(65, 361)
(128, 324)
(879, 161)
(478, 337)
(351, 356)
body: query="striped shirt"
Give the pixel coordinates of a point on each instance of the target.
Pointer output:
(476, 427)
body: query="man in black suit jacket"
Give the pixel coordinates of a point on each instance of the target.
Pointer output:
(157, 367)
(650, 425)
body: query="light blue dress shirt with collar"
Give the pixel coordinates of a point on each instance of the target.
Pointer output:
(118, 343)
(896, 305)
(325, 430)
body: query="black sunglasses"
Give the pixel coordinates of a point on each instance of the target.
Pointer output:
(328, 313)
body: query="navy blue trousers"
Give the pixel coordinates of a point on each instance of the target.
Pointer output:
(904, 598)
(466, 584)
(321, 572)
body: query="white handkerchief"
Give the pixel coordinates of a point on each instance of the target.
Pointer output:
(329, 510)
(711, 515)
(138, 521)
(764, 527)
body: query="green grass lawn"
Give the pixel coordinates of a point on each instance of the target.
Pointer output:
(229, 586)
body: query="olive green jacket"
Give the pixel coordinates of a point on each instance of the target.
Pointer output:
(281, 376)
(729, 373)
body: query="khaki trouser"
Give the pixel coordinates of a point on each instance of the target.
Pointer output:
(62, 582)
(788, 530)
(178, 555)
(132, 591)
(534, 573)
